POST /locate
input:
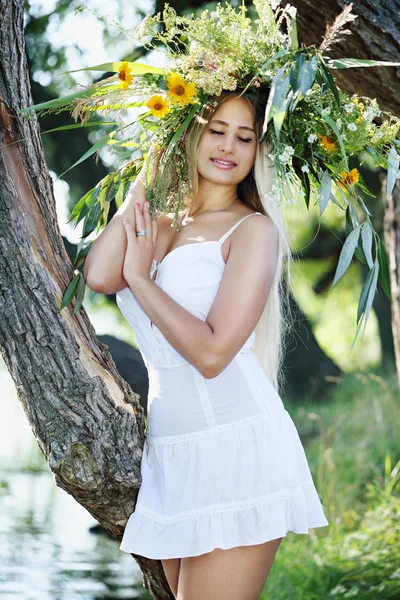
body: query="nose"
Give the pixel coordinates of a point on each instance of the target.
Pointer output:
(227, 144)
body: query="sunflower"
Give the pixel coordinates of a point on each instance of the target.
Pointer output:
(328, 143)
(125, 75)
(347, 179)
(179, 90)
(158, 106)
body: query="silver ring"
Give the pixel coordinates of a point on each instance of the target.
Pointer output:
(141, 232)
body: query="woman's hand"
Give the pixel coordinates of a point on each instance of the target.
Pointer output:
(140, 249)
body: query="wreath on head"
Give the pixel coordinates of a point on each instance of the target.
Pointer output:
(317, 134)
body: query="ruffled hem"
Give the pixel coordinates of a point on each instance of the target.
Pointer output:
(298, 510)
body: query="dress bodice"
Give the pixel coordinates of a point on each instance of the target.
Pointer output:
(191, 275)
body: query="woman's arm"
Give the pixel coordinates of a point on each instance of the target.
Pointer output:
(104, 262)
(212, 344)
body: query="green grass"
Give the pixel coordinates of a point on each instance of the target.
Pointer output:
(355, 461)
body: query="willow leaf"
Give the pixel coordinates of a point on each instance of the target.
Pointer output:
(346, 254)
(347, 63)
(366, 238)
(324, 192)
(114, 67)
(384, 276)
(70, 291)
(333, 125)
(80, 293)
(95, 148)
(268, 115)
(362, 303)
(370, 297)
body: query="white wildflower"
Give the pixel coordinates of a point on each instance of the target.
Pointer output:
(305, 168)
(339, 122)
(352, 127)
(378, 135)
(292, 10)
(326, 111)
(349, 107)
(371, 112)
(312, 138)
(274, 4)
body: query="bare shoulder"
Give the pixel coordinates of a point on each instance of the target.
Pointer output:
(258, 235)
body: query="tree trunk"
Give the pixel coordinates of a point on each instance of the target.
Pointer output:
(392, 242)
(86, 419)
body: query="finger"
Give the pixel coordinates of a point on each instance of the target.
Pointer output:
(154, 231)
(147, 220)
(128, 228)
(139, 217)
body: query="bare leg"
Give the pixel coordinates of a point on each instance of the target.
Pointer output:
(238, 573)
(171, 569)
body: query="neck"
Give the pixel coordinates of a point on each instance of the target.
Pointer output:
(212, 197)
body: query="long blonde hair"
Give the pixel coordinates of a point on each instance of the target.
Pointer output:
(254, 191)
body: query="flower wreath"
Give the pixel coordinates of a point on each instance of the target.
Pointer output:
(314, 130)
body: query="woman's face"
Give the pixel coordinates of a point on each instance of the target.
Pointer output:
(227, 148)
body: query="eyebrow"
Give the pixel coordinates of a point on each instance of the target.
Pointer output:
(240, 126)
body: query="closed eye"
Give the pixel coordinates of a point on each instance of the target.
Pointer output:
(245, 140)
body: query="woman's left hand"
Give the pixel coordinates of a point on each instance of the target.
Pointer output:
(140, 249)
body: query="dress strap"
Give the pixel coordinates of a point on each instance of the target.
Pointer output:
(228, 233)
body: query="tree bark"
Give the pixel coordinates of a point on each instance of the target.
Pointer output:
(392, 242)
(86, 419)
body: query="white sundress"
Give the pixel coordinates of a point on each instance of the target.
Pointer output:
(222, 463)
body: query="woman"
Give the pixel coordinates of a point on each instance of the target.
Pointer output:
(224, 475)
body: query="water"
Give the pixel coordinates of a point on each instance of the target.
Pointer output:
(47, 550)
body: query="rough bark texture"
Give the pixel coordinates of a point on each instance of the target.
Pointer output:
(392, 242)
(86, 419)
(375, 34)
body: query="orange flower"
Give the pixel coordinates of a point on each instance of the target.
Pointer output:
(327, 142)
(347, 179)
(125, 75)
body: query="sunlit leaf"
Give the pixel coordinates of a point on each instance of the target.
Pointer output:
(347, 253)
(366, 237)
(80, 293)
(70, 291)
(346, 63)
(114, 67)
(324, 191)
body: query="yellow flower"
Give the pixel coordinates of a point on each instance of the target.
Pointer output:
(158, 106)
(360, 105)
(327, 142)
(125, 75)
(347, 179)
(179, 90)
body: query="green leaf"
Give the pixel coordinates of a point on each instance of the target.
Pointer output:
(83, 206)
(362, 303)
(330, 82)
(333, 125)
(347, 63)
(273, 58)
(393, 167)
(370, 297)
(91, 220)
(95, 148)
(366, 238)
(119, 196)
(80, 293)
(79, 125)
(82, 254)
(307, 76)
(384, 276)
(295, 71)
(324, 191)
(175, 138)
(70, 291)
(346, 254)
(114, 67)
(268, 115)
(294, 42)
(59, 103)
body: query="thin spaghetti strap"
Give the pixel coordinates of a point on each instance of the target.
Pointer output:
(228, 233)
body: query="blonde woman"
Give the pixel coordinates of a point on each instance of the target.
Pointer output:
(224, 474)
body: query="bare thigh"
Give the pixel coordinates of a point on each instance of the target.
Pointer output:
(171, 569)
(238, 573)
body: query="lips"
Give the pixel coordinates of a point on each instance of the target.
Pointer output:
(223, 163)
